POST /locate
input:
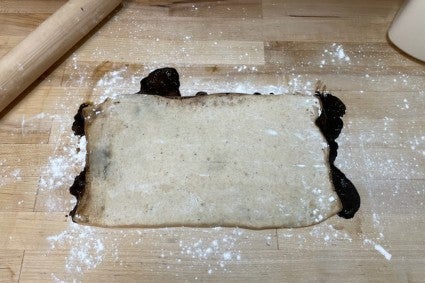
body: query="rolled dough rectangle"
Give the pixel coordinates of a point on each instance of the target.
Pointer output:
(255, 161)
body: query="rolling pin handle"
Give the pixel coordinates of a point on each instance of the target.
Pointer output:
(26, 62)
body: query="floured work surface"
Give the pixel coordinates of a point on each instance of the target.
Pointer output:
(217, 160)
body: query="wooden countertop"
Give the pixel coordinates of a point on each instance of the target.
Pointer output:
(240, 46)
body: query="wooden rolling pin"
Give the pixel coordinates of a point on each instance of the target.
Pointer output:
(50, 41)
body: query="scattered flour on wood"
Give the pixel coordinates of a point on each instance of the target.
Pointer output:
(9, 174)
(59, 173)
(221, 250)
(85, 247)
(334, 54)
(379, 248)
(59, 168)
(111, 84)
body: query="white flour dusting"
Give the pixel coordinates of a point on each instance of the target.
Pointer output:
(111, 84)
(86, 247)
(378, 247)
(329, 234)
(59, 168)
(9, 175)
(220, 250)
(60, 171)
(322, 234)
(334, 54)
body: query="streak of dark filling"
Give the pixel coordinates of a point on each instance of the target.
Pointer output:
(78, 125)
(77, 189)
(79, 185)
(165, 82)
(330, 124)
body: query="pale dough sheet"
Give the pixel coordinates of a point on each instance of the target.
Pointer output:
(255, 161)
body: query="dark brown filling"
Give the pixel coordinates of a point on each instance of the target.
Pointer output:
(330, 124)
(78, 125)
(165, 82)
(77, 189)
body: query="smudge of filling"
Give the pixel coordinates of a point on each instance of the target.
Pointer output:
(165, 82)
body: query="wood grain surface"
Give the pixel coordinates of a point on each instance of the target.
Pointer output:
(236, 46)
